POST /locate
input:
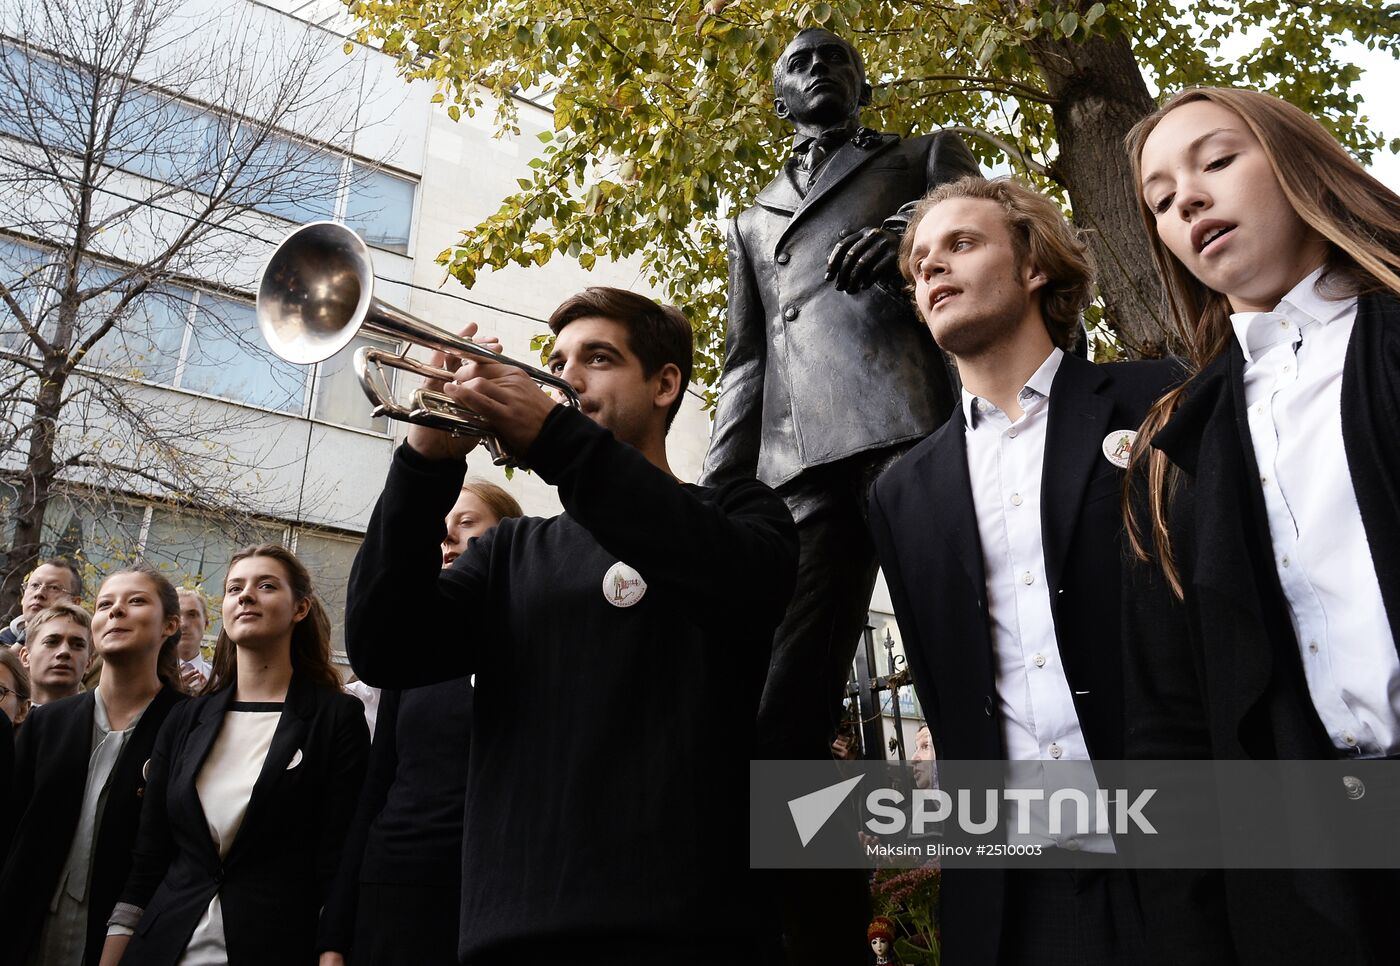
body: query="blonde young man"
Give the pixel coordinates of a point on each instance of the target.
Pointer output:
(999, 536)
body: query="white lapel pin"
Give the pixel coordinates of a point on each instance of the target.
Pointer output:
(1118, 447)
(146, 771)
(623, 586)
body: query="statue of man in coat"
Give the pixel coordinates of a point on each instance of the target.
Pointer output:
(829, 376)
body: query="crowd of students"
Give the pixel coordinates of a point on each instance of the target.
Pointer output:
(220, 812)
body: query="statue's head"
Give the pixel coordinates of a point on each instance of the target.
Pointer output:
(819, 81)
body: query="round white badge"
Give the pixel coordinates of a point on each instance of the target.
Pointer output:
(1118, 447)
(623, 586)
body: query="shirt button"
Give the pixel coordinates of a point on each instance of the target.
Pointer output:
(982, 406)
(1016, 499)
(1039, 660)
(784, 258)
(1056, 751)
(1027, 578)
(1287, 367)
(1350, 739)
(790, 314)
(1312, 647)
(1263, 480)
(1012, 432)
(1284, 561)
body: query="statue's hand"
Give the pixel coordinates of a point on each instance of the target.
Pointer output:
(861, 258)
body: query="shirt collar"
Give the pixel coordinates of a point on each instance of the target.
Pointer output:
(831, 137)
(1304, 305)
(1039, 383)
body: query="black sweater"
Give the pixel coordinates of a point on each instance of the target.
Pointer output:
(608, 792)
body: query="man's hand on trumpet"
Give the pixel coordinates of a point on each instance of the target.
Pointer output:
(506, 397)
(436, 444)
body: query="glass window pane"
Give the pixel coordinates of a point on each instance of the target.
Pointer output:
(328, 557)
(285, 178)
(380, 208)
(144, 343)
(42, 101)
(23, 268)
(227, 357)
(339, 398)
(100, 532)
(168, 140)
(9, 496)
(194, 548)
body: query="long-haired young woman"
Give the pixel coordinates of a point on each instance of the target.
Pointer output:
(252, 786)
(1267, 605)
(81, 774)
(397, 897)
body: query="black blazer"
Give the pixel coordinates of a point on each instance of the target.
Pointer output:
(52, 755)
(924, 525)
(1222, 676)
(279, 870)
(795, 343)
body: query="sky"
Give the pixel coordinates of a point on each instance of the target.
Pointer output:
(1380, 89)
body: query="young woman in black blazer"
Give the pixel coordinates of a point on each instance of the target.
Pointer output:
(396, 901)
(252, 786)
(81, 774)
(1264, 613)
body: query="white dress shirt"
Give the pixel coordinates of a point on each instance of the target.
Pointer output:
(1293, 390)
(1038, 718)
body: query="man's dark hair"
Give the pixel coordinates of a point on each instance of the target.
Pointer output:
(65, 564)
(656, 334)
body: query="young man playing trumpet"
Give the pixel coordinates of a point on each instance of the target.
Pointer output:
(615, 647)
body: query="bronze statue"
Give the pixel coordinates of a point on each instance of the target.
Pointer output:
(828, 374)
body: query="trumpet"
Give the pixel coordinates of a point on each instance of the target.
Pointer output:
(317, 293)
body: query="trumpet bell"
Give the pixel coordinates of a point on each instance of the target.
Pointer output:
(315, 293)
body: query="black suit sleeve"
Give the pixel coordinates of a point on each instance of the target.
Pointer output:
(155, 845)
(740, 547)
(1184, 912)
(350, 754)
(398, 590)
(904, 612)
(738, 429)
(338, 919)
(20, 787)
(7, 777)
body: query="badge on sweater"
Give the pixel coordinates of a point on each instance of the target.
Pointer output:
(622, 585)
(1118, 447)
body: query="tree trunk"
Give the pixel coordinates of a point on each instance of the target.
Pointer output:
(1099, 95)
(35, 490)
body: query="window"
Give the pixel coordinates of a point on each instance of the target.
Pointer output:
(339, 398)
(169, 141)
(329, 557)
(195, 548)
(227, 357)
(285, 178)
(380, 208)
(103, 533)
(145, 342)
(42, 101)
(21, 269)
